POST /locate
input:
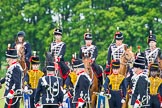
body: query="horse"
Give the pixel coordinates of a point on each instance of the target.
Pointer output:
(94, 87)
(49, 58)
(160, 64)
(62, 67)
(21, 54)
(126, 61)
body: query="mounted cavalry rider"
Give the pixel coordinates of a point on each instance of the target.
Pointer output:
(115, 85)
(91, 49)
(57, 50)
(13, 80)
(155, 87)
(152, 52)
(21, 40)
(32, 77)
(140, 85)
(115, 50)
(49, 87)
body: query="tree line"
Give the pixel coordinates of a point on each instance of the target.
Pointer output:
(38, 18)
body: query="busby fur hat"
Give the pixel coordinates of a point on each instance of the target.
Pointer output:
(57, 32)
(119, 36)
(116, 64)
(50, 66)
(152, 37)
(34, 60)
(141, 56)
(11, 53)
(21, 33)
(139, 63)
(87, 36)
(154, 67)
(77, 63)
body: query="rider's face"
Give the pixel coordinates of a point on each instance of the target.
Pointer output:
(88, 42)
(8, 60)
(119, 42)
(35, 66)
(152, 44)
(115, 70)
(20, 38)
(153, 73)
(58, 37)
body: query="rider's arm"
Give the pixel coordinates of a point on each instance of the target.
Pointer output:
(106, 84)
(80, 53)
(63, 50)
(17, 75)
(26, 80)
(38, 92)
(95, 54)
(28, 51)
(124, 87)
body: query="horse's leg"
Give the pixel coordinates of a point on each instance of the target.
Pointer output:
(93, 100)
(125, 105)
(94, 88)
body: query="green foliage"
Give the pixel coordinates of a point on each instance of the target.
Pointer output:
(38, 18)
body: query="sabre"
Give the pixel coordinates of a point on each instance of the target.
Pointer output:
(107, 95)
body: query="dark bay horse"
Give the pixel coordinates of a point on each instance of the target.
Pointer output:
(63, 69)
(93, 76)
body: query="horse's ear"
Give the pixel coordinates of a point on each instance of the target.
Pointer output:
(125, 47)
(130, 48)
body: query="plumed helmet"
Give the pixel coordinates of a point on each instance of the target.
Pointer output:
(57, 32)
(119, 36)
(88, 36)
(151, 37)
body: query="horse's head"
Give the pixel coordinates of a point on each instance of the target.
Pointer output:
(20, 50)
(128, 56)
(48, 58)
(86, 60)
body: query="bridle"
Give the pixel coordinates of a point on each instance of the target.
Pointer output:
(127, 60)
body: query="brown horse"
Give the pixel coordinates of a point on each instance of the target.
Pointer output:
(126, 60)
(21, 53)
(160, 64)
(93, 76)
